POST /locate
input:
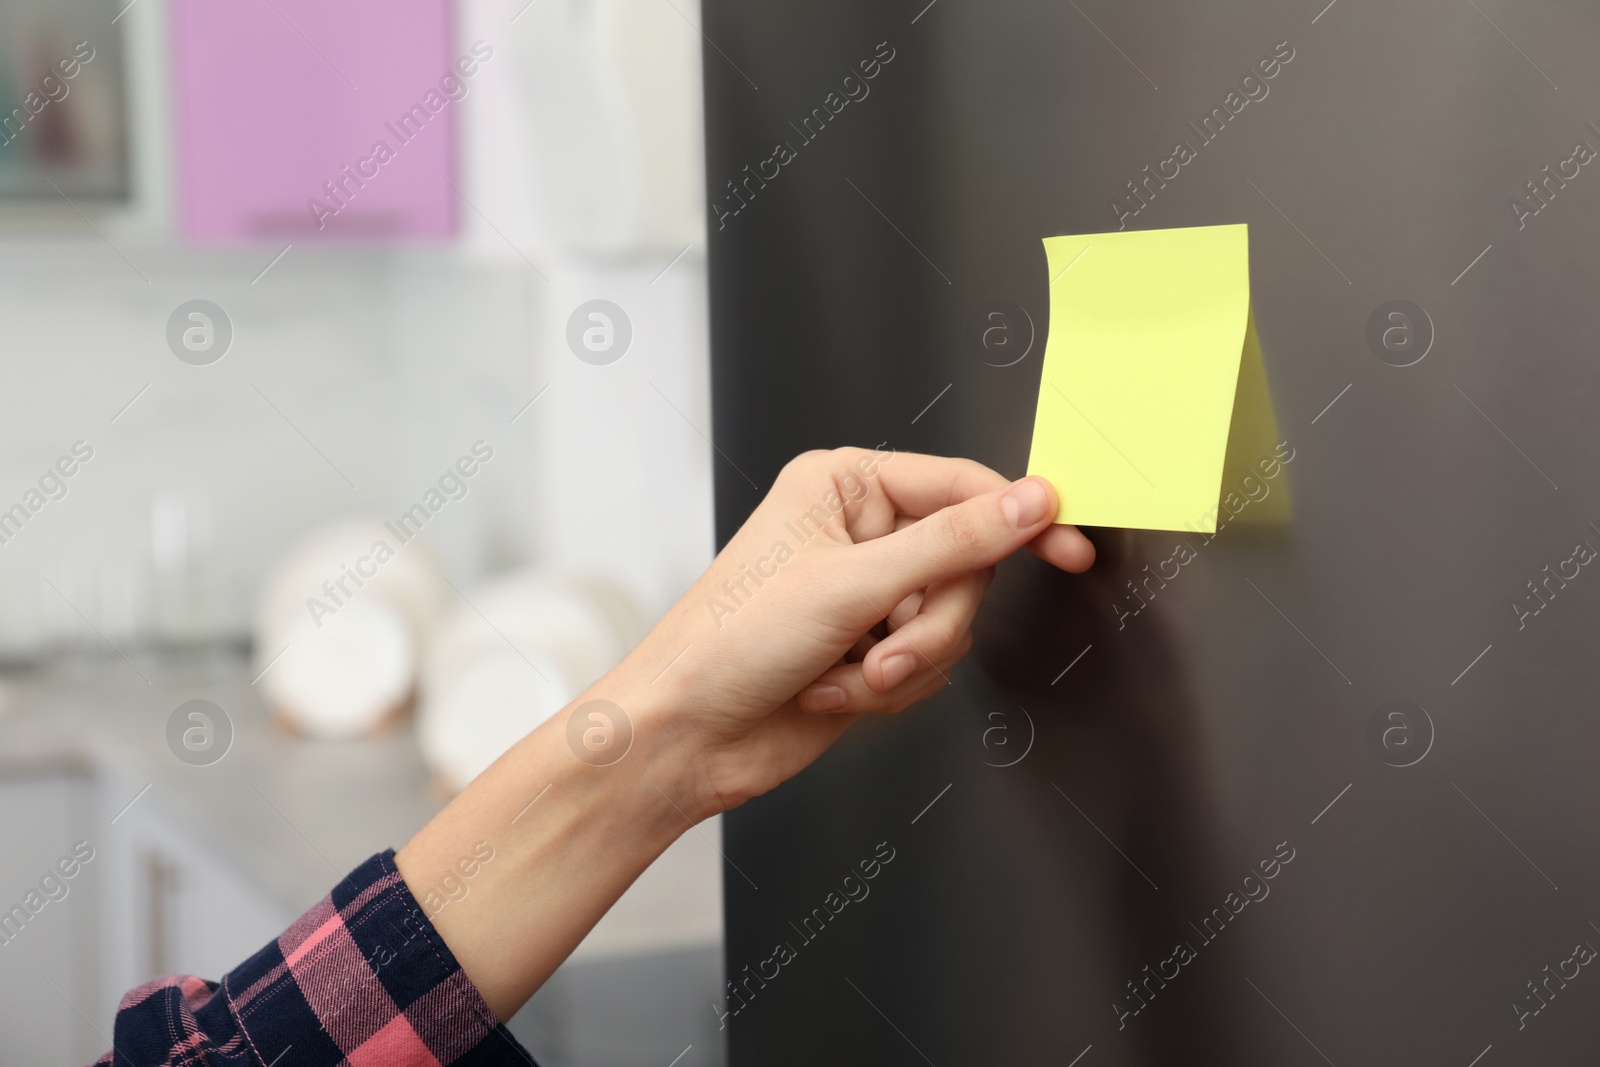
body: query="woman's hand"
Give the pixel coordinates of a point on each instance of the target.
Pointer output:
(851, 588)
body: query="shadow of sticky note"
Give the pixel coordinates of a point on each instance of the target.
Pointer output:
(1152, 347)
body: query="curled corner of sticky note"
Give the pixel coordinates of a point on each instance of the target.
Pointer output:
(1255, 479)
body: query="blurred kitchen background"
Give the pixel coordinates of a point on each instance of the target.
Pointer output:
(243, 346)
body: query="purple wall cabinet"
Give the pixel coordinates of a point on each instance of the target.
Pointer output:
(305, 120)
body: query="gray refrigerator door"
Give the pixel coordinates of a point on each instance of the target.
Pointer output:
(1319, 788)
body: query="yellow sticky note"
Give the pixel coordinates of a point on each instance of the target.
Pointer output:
(1147, 329)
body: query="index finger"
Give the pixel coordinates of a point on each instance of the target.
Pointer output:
(918, 485)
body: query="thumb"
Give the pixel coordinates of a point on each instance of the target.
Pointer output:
(955, 540)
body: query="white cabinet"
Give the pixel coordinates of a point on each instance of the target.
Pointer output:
(177, 907)
(150, 900)
(50, 923)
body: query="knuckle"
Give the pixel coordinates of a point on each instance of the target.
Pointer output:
(968, 477)
(847, 454)
(938, 641)
(976, 472)
(806, 463)
(960, 531)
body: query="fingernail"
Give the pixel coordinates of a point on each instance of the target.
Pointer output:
(897, 668)
(822, 698)
(1025, 503)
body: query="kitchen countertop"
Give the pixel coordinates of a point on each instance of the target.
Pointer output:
(293, 815)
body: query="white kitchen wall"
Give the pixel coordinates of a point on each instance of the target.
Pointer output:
(357, 376)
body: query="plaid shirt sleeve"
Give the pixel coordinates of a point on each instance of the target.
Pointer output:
(362, 978)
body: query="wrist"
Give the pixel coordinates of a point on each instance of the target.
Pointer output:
(631, 730)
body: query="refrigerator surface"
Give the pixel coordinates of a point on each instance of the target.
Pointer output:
(1317, 788)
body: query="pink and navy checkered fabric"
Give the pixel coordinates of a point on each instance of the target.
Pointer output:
(360, 980)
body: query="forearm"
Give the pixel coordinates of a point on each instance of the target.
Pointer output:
(570, 832)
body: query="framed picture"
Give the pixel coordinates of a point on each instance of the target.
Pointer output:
(63, 100)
